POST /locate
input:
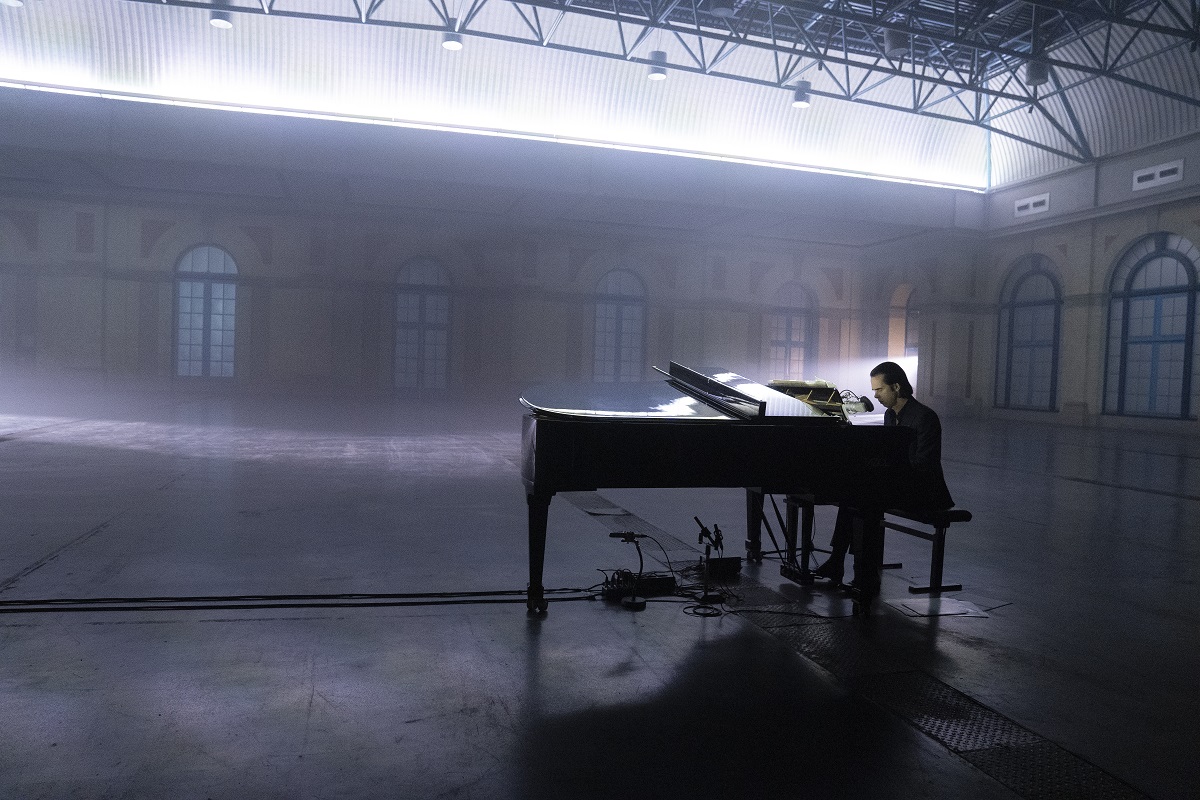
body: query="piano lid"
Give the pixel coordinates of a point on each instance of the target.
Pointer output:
(686, 395)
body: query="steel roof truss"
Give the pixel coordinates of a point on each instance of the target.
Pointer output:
(862, 87)
(697, 54)
(956, 51)
(1113, 17)
(1089, 77)
(625, 51)
(803, 34)
(534, 25)
(1125, 49)
(1082, 40)
(727, 49)
(472, 12)
(554, 27)
(1080, 136)
(1034, 105)
(949, 61)
(641, 37)
(1173, 12)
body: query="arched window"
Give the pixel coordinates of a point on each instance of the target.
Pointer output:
(422, 355)
(620, 350)
(205, 301)
(792, 334)
(1152, 328)
(1027, 343)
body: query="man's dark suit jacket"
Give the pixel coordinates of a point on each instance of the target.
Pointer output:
(927, 487)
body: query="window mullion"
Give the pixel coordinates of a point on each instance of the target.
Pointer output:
(206, 326)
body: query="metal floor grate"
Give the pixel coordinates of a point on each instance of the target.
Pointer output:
(614, 518)
(769, 617)
(839, 648)
(1016, 757)
(946, 714)
(760, 596)
(592, 503)
(1044, 771)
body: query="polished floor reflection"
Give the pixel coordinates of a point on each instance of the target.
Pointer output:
(1077, 681)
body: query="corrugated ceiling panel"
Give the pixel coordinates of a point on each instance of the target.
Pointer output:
(1114, 116)
(405, 75)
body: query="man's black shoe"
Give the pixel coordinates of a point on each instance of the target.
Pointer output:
(830, 571)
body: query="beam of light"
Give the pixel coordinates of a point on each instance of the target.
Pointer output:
(265, 100)
(400, 454)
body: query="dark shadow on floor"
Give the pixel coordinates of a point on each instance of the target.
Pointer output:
(743, 718)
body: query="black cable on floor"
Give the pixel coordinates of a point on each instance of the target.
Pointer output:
(211, 602)
(279, 597)
(59, 609)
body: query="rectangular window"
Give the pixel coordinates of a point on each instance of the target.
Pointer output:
(619, 344)
(787, 351)
(422, 335)
(224, 296)
(190, 355)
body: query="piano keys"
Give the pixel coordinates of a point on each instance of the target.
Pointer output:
(691, 430)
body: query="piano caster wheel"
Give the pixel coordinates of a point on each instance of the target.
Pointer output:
(536, 607)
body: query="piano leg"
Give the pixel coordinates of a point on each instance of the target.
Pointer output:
(539, 511)
(754, 519)
(808, 519)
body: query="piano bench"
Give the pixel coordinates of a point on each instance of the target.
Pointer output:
(940, 522)
(798, 532)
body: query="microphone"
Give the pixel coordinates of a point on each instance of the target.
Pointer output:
(628, 536)
(863, 404)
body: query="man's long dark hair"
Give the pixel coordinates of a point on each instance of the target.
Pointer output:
(894, 373)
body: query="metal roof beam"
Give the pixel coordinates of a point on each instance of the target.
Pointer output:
(1080, 138)
(841, 40)
(1097, 13)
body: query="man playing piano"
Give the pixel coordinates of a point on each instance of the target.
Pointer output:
(921, 487)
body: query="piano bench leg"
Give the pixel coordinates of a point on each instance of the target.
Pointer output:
(801, 516)
(945, 587)
(936, 587)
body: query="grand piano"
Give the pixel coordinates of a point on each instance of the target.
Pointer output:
(692, 430)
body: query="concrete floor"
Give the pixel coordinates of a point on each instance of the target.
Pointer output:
(1084, 551)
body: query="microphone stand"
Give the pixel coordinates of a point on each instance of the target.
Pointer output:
(713, 539)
